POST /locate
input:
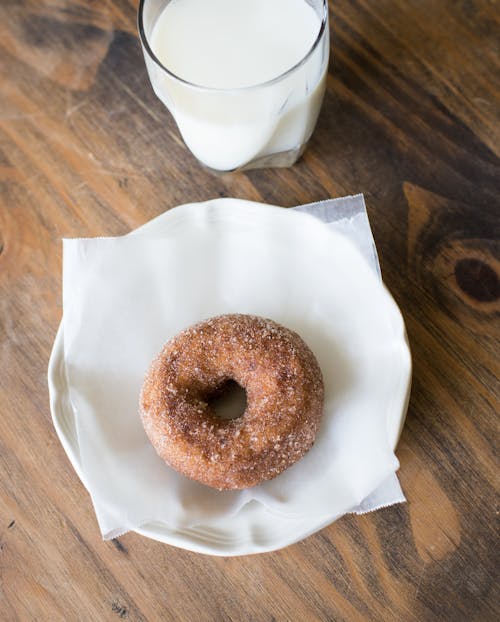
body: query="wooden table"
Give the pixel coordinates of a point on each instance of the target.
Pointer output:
(411, 120)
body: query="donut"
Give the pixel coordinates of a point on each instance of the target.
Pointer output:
(284, 390)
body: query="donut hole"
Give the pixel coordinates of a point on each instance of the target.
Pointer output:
(229, 401)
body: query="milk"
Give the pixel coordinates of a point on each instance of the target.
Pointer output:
(226, 83)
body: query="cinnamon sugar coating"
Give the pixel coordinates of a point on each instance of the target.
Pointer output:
(284, 389)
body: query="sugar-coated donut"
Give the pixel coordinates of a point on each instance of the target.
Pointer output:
(284, 389)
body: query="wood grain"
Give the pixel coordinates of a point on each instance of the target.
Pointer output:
(410, 119)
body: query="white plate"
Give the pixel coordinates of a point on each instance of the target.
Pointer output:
(253, 529)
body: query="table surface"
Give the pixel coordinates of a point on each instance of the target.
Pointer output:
(411, 120)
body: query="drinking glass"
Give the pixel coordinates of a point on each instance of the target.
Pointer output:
(265, 125)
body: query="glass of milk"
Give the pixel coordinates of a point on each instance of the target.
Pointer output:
(243, 79)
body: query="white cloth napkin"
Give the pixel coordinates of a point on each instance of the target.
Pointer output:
(124, 297)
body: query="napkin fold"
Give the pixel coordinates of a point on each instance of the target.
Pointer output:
(124, 297)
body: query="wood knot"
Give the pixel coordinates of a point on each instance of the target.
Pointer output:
(477, 279)
(120, 610)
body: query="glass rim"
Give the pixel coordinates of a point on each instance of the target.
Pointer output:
(145, 43)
